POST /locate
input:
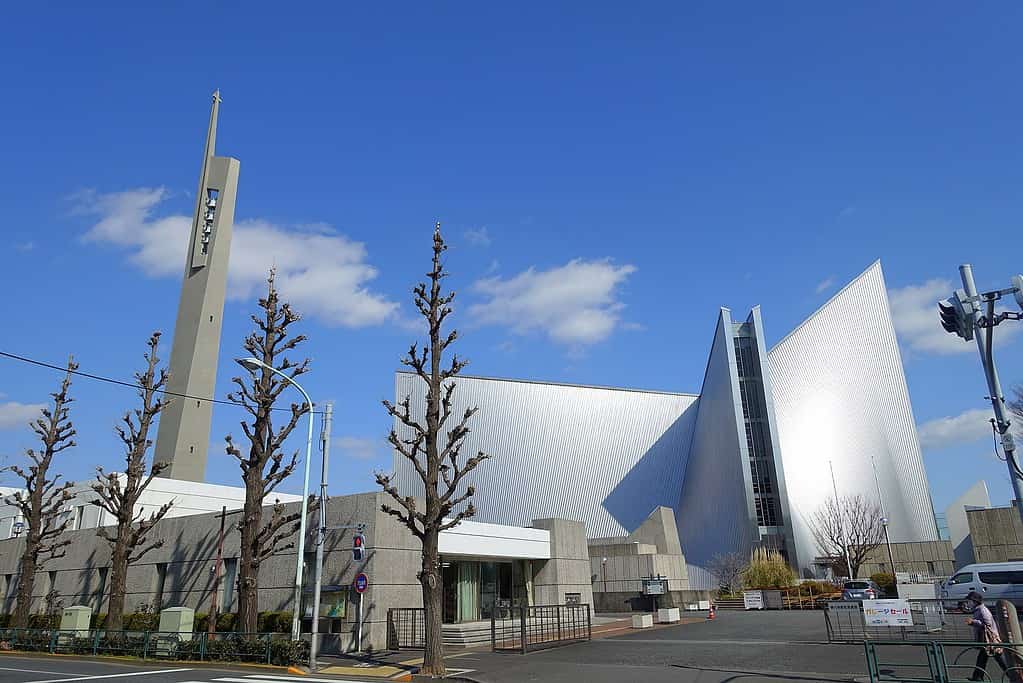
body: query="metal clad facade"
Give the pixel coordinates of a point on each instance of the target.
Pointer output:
(840, 396)
(606, 457)
(715, 513)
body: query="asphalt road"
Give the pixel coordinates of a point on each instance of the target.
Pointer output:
(42, 669)
(752, 647)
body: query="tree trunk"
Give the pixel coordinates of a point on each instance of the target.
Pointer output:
(433, 590)
(118, 577)
(248, 563)
(26, 583)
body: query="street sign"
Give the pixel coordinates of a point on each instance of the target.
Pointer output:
(887, 613)
(753, 599)
(361, 583)
(18, 528)
(653, 587)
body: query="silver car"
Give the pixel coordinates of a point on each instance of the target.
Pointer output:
(860, 589)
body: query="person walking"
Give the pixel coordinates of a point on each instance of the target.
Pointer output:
(984, 631)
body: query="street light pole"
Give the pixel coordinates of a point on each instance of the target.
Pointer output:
(884, 523)
(321, 533)
(984, 338)
(256, 364)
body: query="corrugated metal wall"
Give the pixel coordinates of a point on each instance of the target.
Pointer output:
(604, 456)
(715, 511)
(840, 395)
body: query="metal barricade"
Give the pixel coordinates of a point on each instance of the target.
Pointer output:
(406, 628)
(938, 661)
(540, 627)
(932, 620)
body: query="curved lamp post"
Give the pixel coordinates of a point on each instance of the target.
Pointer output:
(254, 364)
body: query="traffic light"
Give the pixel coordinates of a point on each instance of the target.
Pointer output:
(957, 315)
(358, 547)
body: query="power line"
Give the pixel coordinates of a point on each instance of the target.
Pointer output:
(132, 385)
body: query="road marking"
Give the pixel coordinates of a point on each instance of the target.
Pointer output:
(96, 678)
(39, 671)
(254, 678)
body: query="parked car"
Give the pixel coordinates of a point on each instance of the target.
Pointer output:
(860, 589)
(995, 581)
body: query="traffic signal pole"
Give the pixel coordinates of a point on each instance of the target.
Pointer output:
(1002, 422)
(321, 534)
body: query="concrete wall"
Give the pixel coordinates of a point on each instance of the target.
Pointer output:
(959, 527)
(997, 534)
(179, 573)
(568, 570)
(929, 558)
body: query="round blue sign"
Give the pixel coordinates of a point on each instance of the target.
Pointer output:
(361, 583)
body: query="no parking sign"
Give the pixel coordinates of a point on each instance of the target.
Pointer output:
(361, 583)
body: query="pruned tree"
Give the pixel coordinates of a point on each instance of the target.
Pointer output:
(1016, 406)
(436, 461)
(129, 537)
(727, 570)
(263, 462)
(847, 526)
(43, 497)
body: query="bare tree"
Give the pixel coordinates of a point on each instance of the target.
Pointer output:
(727, 569)
(42, 500)
(436, 463)
(128, 542)
(849, 525)
(264, 465)
(1016, 405)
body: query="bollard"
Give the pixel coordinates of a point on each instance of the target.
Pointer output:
(1009, 629)
(710, 612)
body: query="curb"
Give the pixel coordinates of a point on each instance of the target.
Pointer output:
(147, 662)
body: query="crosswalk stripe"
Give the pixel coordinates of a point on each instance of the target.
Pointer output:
(123, 675)
(269, 679)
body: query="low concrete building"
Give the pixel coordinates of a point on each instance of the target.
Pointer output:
(619, 564)
(188, 497)
(996, 534)
(486, 567)
(929, 559)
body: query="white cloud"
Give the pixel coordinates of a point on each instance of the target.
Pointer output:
(359, 447)
(574, 304)
(825, 284)
(967, 427)
(479, 237)
(917, 325)
(14, 415)
(322, 273)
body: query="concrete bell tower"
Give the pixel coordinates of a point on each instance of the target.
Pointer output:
(184, 432)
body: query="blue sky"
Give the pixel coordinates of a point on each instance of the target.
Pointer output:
(646, 166)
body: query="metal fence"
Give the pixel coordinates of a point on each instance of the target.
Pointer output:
(540, 627)
(932, 620)
(938, 662)
(263, 648)
(406, 628)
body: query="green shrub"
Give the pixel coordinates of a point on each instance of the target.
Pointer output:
(227, 621)
(201, 622)
(767, 569)
(273, 622)
(885, 582)
(43, 621)
(141, 621)
(98, 621)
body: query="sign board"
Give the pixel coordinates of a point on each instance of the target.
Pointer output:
(17, 528)
(843, 606)
(653, 587)
(887, 613)
(361, 583)
(753, 599)
(902, 577)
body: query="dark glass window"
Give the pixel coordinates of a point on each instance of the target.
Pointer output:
(1001, 577)
(960, 578)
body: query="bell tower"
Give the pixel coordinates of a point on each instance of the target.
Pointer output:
(184, 433)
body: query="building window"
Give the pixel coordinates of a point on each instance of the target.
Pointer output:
(230, 575)
(79, 517)
(101, 589)
(161, 579)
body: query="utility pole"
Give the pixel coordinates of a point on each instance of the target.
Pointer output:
(841, 522)
(884, 523)
(321, 532)
(217, 569)
(962, 315)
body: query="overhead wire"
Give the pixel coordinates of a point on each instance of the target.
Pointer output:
(132, 385)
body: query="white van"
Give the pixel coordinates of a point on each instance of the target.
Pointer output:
(995, 581)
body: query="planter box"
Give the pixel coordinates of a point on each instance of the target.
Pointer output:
(668, 616)
(642, 621)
